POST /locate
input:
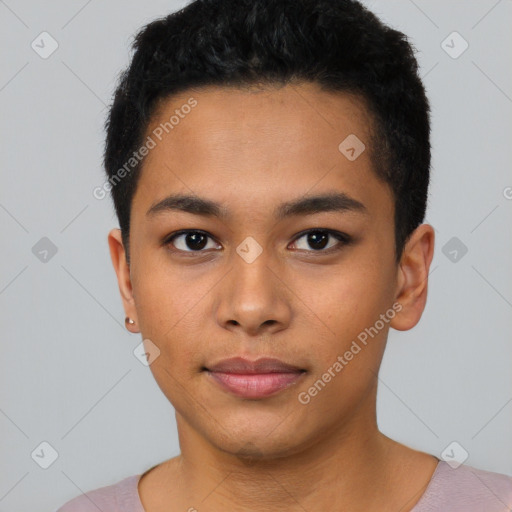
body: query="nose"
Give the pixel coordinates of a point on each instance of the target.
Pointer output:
(253, 298)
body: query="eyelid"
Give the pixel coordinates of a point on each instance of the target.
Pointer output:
(170, 238)
(343, 240)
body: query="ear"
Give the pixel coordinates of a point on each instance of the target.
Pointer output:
(118, 256)
(413, 277)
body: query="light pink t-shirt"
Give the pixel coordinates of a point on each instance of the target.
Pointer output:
(464, 489)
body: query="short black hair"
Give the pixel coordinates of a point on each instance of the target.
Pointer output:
(337, 44)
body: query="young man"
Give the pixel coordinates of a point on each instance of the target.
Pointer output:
(269, 164)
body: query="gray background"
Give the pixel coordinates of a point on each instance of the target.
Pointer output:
(68, 373)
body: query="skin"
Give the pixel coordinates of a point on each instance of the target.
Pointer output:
(251, 150)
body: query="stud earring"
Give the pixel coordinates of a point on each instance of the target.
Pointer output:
(128, 321)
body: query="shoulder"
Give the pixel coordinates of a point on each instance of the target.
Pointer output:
(121, 496)
(466, 489)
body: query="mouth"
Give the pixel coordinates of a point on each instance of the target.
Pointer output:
(254, 379)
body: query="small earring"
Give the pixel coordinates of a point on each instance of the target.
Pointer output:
(128, 321)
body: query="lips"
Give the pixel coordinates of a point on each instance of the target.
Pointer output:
(254, 379)
(244, 366)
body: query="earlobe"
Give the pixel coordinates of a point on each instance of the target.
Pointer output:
(413, 277)
(118, 256)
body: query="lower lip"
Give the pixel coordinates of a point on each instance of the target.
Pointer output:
(258, 385)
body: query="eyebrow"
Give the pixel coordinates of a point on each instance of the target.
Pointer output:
(307, 205)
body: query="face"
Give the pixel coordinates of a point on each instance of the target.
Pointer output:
(284, 249)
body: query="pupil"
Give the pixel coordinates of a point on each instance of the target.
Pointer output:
(318, 240)
(195, 240)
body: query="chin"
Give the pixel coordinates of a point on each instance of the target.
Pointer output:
(253, 445)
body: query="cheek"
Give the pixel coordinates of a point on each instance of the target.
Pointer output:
(162, 297)
(347, 299)
(167, 309)
(346, 309)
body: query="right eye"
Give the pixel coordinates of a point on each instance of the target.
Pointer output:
(189, 241)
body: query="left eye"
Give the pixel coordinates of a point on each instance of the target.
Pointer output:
(318, 239)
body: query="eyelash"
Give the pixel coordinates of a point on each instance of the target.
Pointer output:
(341, 237)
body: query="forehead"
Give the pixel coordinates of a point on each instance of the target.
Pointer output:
(270, 145)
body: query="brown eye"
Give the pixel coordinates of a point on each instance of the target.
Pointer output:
(318, 240)
(190, 241)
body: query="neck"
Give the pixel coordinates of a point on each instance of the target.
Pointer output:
(347, 469)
